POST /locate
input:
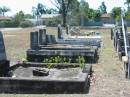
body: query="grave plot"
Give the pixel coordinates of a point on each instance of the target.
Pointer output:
(48, 45)
(53, 75)
(74, 36)
(121, 40)
(36, 78)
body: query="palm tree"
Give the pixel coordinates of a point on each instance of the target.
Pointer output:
(3, 10)
(38, 11)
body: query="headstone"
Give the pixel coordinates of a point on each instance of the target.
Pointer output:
(67, 29)
(53, 39)
(34, 40)
(2, 48)
(42, 36)
(48, 39)
(60, 32)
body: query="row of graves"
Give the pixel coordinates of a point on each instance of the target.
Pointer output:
(54, 65)
(121, 42)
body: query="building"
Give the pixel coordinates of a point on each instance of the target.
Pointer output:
(49, 18)
(4, 18)
(106, 18)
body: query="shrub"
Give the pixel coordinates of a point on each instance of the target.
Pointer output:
(11, 23)
(26, 23)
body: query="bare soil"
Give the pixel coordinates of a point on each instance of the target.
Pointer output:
(108, 77)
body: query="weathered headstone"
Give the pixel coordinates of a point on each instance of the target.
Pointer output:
(48, 39)
(60, 32)
(2, 48)
(53, 39)
(34, 40)
(4, 63)
(42, 36)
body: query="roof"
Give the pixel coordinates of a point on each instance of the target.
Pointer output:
(4, 18)
(46, 16)
(106, 15)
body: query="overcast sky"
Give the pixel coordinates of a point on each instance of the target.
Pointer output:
(26, 5)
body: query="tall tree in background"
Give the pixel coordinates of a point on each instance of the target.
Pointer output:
(116, 13)
(128, 4)
(88, 13)
(94, 15)
(63, 6)
(74, 13)
(38, 10)
(3, 10)
(84, 10)
(19, 17)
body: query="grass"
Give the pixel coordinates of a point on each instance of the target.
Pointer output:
(108, 79)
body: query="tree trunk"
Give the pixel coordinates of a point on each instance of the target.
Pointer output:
(64, 13)
(64, 19)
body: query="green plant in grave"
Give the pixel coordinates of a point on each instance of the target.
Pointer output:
(50, 65)
(46, 60)
(65, 60)
(81, 61)
(56, 60)
(59, 59)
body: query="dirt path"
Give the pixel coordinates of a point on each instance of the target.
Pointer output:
(109, 77)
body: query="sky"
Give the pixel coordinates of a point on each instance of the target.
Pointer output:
(26, 5)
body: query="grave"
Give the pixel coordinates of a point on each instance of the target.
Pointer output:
(38, 77)
(63, 78)
(70, 48)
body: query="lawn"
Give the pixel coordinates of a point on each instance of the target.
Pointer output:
(108, 79)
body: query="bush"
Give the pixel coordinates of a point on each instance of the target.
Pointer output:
(10, 23)
(26, 23)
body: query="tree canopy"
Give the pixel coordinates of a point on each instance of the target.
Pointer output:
(3, 10)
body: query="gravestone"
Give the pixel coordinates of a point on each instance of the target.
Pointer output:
(42, 36)
(2, 48)
(4, 63)
(53, 39)
(34, 40)
(48, 39)
(60, 32)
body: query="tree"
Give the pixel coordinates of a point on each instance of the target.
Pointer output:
(38, 10)
(84, 10)
(94, 14)
(51, 11)
(3, 10)
(74, 13)
(19, 17)
(88, 13)
(128, 4)
(28, 16)
(116, 13)
(63, 7)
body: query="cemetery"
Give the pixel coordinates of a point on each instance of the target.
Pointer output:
(53, 65)
(65, 48)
